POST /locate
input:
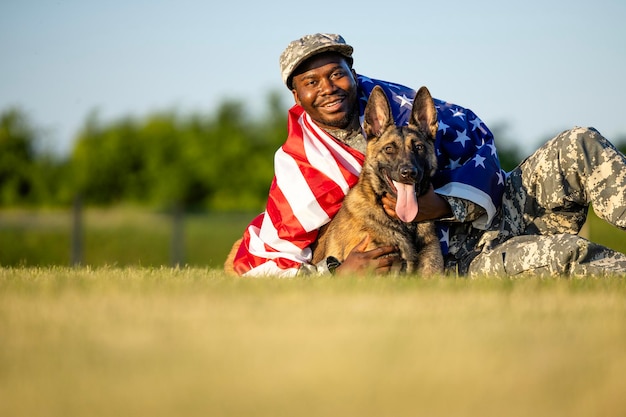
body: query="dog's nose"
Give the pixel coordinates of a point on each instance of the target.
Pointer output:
(408, 173)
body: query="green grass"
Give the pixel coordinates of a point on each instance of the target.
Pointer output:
(134, 237)
(606, 234)
(193, 342)
(119, 236)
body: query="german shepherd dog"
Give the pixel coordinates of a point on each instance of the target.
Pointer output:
(399, 161)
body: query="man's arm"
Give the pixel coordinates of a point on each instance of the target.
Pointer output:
(378, 260)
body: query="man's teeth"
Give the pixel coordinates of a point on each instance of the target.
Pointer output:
(332, 103)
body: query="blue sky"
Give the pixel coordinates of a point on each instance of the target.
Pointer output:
(540, 66)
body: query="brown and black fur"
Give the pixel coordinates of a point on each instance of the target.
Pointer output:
(403, 154)
(229, 264)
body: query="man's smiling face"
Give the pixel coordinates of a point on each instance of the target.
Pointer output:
(325, 86)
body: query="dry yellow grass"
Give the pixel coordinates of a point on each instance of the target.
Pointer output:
(193, 342)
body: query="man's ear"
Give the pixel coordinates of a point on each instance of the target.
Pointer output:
(295, 96)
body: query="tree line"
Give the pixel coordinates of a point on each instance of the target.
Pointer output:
(221, 161)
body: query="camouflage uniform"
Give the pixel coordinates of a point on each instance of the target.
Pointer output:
(544, 207)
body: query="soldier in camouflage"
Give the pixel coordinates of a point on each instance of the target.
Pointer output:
(545, 203)
(544, 207)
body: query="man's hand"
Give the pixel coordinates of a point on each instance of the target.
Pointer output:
(431, 206)
(378, 260)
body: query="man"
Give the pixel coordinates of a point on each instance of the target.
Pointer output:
(488, 221)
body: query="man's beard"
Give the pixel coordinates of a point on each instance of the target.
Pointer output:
(345, 121)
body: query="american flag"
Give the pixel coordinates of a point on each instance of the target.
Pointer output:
(313, 172)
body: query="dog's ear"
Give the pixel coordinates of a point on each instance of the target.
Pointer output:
(424, 113)
(377, 113)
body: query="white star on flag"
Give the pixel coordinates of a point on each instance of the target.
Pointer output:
(462, 137)
(404, 100)
(443, 126)
(454, 163)
(479, 160)
(445, 236)
(458, 113)
(476, 124)
(500, 177)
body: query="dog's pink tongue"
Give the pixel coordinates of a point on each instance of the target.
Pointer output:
(406, 205)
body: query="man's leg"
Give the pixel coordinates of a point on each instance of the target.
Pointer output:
(546, 202)
(559, 254)
(551, 190)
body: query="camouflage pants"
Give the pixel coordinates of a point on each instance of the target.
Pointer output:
(545, 205)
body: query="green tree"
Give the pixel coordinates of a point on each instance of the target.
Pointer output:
(107, 162)
(167, 143)
(242, 167)
(17, 158)
(222, 161)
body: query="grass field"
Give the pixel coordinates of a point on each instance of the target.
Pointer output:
(124, 336)
(192, 342)
(125, 236)
(119, 236)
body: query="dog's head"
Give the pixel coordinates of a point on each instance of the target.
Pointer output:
(403, 158)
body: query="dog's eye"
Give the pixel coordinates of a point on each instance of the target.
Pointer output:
(390, 149)
(419, 147)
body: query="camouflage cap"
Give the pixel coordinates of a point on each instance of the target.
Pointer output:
(307, 46)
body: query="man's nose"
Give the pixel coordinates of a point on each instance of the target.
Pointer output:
(327, 86)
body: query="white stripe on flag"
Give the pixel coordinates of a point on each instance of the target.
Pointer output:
(349, 162)
(297, 192)
(321, 158)
(270, 268)
(268, 235)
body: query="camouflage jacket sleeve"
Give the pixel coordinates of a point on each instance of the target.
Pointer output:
(464, 210)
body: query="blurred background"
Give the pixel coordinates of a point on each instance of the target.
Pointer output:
(143, 132)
